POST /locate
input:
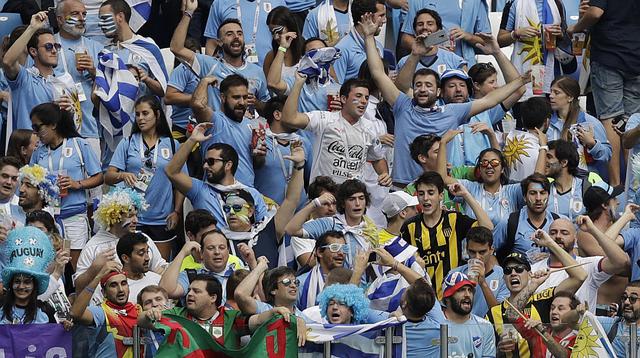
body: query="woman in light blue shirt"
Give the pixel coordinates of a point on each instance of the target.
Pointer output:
(139, 162)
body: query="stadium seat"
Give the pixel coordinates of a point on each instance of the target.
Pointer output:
(168, 58)
(8, 22)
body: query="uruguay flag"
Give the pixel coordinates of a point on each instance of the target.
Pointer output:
(140, 13)
(151, 55)
(117, 88)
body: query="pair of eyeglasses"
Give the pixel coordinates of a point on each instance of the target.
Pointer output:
(287, 282)
(335, 247)
(49, 46)
(632, 299)
(211, 161)
(235, 207)
(518, 269)
(493, 162)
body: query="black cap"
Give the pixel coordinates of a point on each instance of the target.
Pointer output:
(518, 258)
(596, 194)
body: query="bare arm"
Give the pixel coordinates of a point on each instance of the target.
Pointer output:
(79, 310)
(590, 18)
(169, 279)
(541, 162)
(200, 100)
(274, 73)
(294, 188)
(613, 232)
(385, 259)
(389, 91)
(210, 46)
(577, 275)
(631, 137)
(290, 114)
(182, 181)
(615, 260)
(178, 98)
(497, 96)
(458, 189)
(244, 291)
(441, 160)
(10, 61)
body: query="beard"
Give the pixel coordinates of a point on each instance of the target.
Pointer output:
(73, 30)
(230, 112)
(457, 307)
(229, 52)
(214, 177)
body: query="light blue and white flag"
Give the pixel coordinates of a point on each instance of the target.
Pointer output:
(151, 55)
(140, 13)
(351, 341)
(117, 88)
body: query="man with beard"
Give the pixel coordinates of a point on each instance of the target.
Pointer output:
(598, 268)
(10, 210)
(420, 114)
(133, 251)
(31, 86)
(114, 318)
(38, 189)
(230, 125)
(230, 36)
(513, 233)
(617, 328)
(77, 57)
(473, 335)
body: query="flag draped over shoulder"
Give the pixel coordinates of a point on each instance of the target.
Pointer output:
(591, 340)
(116, 88)
(351, 340)
(151, 55)
(184, 338)
(140, 13)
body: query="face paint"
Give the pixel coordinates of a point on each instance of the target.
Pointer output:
(233, 202)
(537, 186)
(70, 24)
(107, 24)
(127, 222)
(355, 101)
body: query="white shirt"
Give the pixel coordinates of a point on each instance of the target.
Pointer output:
(105, 240)
(589, 290)
(135, 286)
(333, 134)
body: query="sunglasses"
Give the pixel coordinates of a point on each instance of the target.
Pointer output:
(335, 247)
(632, 299)
(235, 207)
(50, 46)
(518, 269)
(287, 282)
(493, 162)
(211, 161)
(148, 163)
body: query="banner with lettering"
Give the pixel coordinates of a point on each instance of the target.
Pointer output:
(34, 340)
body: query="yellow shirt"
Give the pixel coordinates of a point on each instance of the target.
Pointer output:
(384, 236)
(190, 263)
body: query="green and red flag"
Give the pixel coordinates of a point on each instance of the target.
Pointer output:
(185, 338)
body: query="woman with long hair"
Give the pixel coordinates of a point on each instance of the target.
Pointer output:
(139, 162)
(282, 24)
(65, 153)
(22, 143)
(571, 123)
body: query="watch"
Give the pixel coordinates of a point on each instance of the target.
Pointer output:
(301, 166)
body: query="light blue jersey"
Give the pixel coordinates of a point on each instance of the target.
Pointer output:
(465, 147)
(343, 20)
(315, 228)
(300, 5)
(412, 121)
(568, 203)
(499, 205)
(623, 336)
(104, 345)
(495, 281)
(523, 241)
(67, 63)
(130, 157)
(76, 157)
(474, 338)
(313, 98)
(440, 62)
(19, 315)
(245, 11)
(631, 238)
(28, 90)
(185, 81)
(423, 338)
(353, 54)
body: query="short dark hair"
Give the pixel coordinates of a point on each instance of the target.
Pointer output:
(352, 83)
(534, 112)
(426, 72)
(340, 275)
(19, 138)
(271, 278)
(44, 218)
(420, 298)
(534, 178)
(229, 21)
(233, 80)
(348, 188)
(431, 178)
(574, 300)
(566, 150)
(322, 183)
(276, 103)
(128, 241)
(12, 161)
(50, 113)
(315, 38)
(119, 6)
(213, 286)
(33, 41)
(197, 220)
(433, 14)
(234, 280)
(361, 7)
(421, 145)
(151, 289)
(481, 71)
(634, 283)
(322, 240)
(480, 235)
(227, 153)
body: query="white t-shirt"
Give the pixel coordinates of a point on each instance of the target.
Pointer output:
(521, 151)
(135, 286)
(589, 290)
(332, 135)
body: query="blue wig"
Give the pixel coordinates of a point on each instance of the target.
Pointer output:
(349, 295)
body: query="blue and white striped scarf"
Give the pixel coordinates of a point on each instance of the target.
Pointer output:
(140, 13)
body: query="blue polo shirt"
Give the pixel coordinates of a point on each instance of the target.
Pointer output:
(443, 60)
(499, 205)
(353, 54)
(631, 238)
(300, 5)
(343, 20)
(495, 280)
(28, 90)
(423, 338)
(159, 194)
(185, 81)
(222, 10)
(523, 242)
(412, 121)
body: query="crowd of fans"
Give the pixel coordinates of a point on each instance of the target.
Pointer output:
(299, 161)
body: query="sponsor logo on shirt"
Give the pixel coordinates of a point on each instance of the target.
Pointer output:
(477, 342)
(433, 257)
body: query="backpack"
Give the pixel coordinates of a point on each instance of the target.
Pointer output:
(512, 228)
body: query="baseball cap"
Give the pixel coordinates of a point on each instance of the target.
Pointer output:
(517, 258)
(596, 194)
(453, 282)
(454, 73)
(396, 202)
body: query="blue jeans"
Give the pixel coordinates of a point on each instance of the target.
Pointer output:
(615, 92)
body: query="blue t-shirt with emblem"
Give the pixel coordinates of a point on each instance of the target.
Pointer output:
(473, 338)
(499, 205)
(28, 90)
(442, 61)
(495, 281)
(185, 81)
(523, 242)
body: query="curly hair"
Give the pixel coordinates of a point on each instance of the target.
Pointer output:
(349, 295)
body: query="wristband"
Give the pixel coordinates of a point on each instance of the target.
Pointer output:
(395, 266)
(544, 147)
(283, 49)
(301, 165)
(89, 289)
(188, 14)
(317, 203)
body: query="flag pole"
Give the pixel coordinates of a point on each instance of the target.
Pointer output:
(444, 341)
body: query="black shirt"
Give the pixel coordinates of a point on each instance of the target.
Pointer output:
(615, 42)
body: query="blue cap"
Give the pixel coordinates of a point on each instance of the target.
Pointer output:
(28, 251)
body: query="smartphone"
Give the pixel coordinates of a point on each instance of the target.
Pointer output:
(510, 331)
(436, 38)
(373, 257)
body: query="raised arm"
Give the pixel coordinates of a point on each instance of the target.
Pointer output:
(613, 232)
(294, 188)
(180, 33)
(274, 76)
(615, 260)
(169, 279)
(290, 114)
(200, 100)
(520, 300)
(79, 310)
(587, 20)
(173, 169)
(389, 91)
(294, 226)
(577, 275)
(244, 291)
(497, 96)
(10, 61)
(458, 189)
(441, 160)
(541, 162)
(385, 259)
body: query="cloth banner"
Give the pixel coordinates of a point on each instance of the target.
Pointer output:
(34, 340)
(592, 339)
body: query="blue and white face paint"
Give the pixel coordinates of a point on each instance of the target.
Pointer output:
(108, 25)
(74, 26)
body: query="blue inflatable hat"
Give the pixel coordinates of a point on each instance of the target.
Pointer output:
(29, 251)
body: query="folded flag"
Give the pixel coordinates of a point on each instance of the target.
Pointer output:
(315, 64)
(185, 338)
(140, 13)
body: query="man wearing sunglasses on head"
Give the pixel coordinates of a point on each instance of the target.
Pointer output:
(617, 328)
